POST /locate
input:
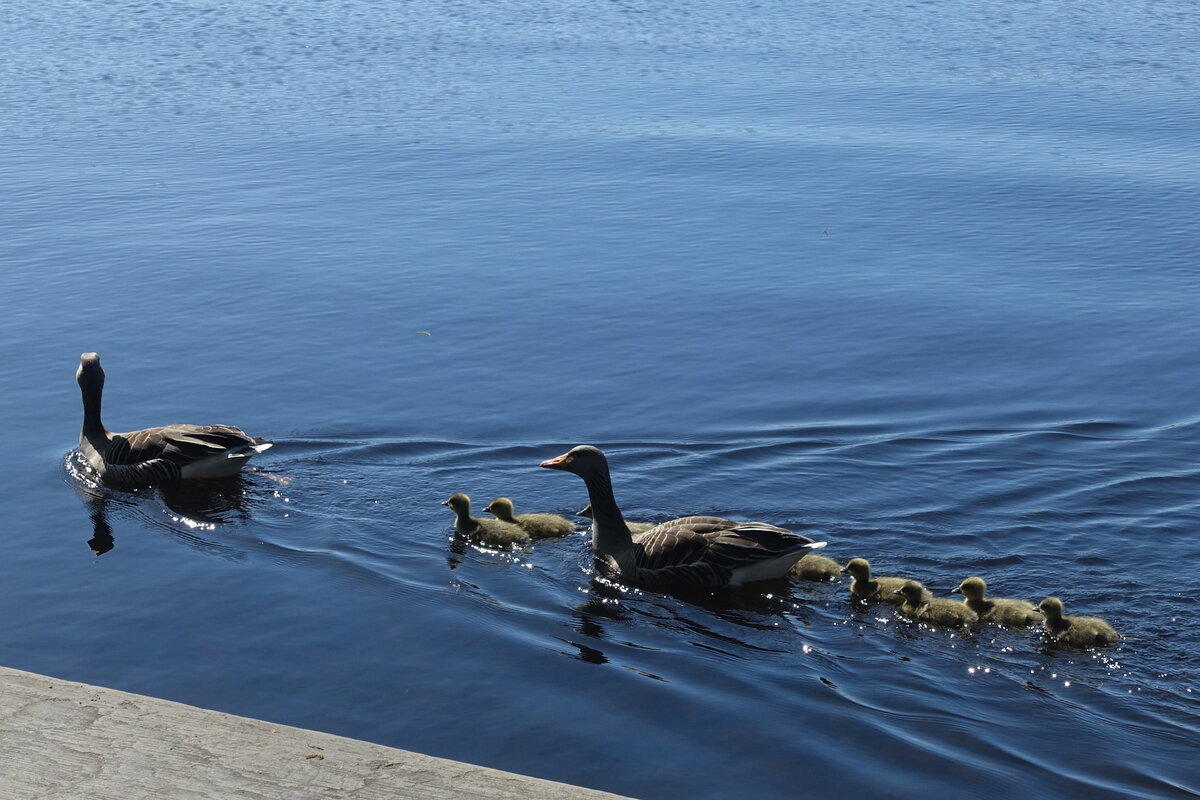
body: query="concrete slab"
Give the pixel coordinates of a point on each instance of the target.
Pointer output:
(71, 741)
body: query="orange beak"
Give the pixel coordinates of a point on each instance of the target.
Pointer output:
(558, 463)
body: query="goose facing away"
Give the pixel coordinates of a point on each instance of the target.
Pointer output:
(489, 531)
(155, 455)
(868, 589)
(1075, 631)
(538, 526)
(920, 605)
(1005, 611)
(634, 527)
(689, 552)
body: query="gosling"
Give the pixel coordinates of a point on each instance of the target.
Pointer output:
(872, 590)
(817, 568)
(920, 605)
(1075, 631)
(489, 531)
(538, 526)
(1002, 610)
(634, 527)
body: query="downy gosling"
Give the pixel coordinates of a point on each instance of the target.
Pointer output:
(489, 531)
(1002, 610)
(920, 605)
(538, 526)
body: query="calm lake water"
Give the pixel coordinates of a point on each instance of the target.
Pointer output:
(919, 279)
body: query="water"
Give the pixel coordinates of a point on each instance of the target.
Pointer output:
(919, 279)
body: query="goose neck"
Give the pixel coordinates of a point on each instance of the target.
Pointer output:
(92, 395)
(610, 535)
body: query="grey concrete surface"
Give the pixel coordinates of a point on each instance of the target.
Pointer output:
(69, 741)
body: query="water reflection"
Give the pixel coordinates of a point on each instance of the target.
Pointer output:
(207, 502)
(194, 505)
(102, 538)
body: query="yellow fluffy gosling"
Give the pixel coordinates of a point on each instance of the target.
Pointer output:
(817, 568)
(1075, 631)
(872, 590)
(539, 526)
(1005, 611)
(489, 531)
(920, 605)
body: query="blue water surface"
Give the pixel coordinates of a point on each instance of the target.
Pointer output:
(918, 279)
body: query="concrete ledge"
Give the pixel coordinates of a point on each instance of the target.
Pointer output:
(71, 741)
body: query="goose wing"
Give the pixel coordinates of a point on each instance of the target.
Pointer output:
(177, 444)
(705, 551)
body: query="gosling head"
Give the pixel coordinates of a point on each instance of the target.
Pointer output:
(586, 511)
(913, 591)
(459, 503)
(1051, 607)
(583, 460)
(859, 568)
(971, 588)
(502, 507)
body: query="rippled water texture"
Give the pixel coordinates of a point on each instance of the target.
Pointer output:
(920, 280)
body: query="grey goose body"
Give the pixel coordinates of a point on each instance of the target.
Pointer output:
(157, 455)
(690, 552)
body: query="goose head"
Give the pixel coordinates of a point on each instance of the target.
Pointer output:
(1051, 607)
(584, 461)
(913, 592)
(972, 588)
(459, 503)
(89, 372)
(860, 568)
(502, 507)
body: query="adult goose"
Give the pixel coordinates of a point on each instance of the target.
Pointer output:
(155, 455)
(689, 552)
(1075, 631)
(1002, 610)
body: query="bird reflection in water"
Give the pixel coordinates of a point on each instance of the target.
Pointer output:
(102, 538)
(194, 506)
